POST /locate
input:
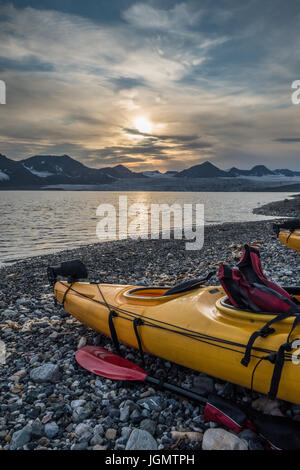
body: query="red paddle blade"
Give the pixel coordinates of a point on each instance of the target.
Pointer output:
(101, 362)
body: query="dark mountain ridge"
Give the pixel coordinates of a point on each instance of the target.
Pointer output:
(45, 170)
(204, 170)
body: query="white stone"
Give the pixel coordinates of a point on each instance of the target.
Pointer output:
(219, 439)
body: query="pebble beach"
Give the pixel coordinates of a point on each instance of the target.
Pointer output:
(48, 402)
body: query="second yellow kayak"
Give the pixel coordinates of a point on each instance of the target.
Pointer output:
(288, 232)
(290, 239)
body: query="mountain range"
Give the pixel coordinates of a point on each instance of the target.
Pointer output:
(43, 170)
(208, 170)
(51, 170)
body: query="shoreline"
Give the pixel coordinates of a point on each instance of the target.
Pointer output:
(72, 251)
(181, 185)
(37, 332)
(285, 208)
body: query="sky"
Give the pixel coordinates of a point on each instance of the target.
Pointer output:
(152, 84)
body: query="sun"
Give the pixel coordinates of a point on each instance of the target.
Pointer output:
(143, 125)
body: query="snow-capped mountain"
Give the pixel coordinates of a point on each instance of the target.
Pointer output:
(53, 169)
(65, 170)
(13, 173)
(44, 170)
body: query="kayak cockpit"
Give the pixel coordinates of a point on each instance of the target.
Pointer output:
(156, 292)
(225, 307)
(146, 292)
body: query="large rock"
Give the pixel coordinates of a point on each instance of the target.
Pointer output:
(37, 429)
(219, 439)
(46, 373)
(203, 385)
(267, 406)
(141, 440)
(148, 425)
(151, 403)
(82, 429)
(111, 434)
(124, 413)
(126, 408)
(98, 430)
(51, 430)
(77, 403)
(81, 413)
(97, 438)
(20, 438)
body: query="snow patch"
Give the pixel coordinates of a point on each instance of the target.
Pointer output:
(4, 176)
(153, 174)
(41, 174)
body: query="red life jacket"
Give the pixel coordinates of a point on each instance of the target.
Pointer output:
(250, 266)
(248, 288)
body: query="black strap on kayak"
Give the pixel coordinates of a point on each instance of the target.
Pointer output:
(278, 369)
(279, 362)
(271, 357)
(112, 314)
(65, 294)
(289, 235)
(113, 333)
(136, 323)
(265, 331)
(278, 358)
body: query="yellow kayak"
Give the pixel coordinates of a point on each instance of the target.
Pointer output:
(288, 232)
(290, 239)
(197, 329)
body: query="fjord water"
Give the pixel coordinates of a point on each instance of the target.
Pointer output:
(41, 222)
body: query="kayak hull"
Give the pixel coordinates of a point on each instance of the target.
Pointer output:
(196, 329)
(290, 239)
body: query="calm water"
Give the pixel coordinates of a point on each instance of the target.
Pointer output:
(39, 222)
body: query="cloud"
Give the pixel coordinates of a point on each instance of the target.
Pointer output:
(181, 16)
(209, 79)
(28, 63)
(126, 83)
(171, 138)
